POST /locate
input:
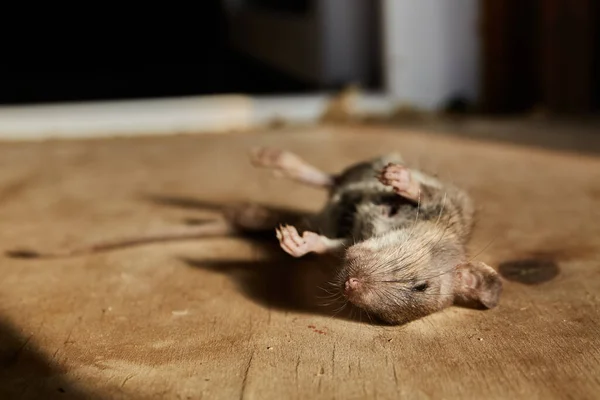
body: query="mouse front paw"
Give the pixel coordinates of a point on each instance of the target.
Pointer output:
(399, 178)
(294, 244)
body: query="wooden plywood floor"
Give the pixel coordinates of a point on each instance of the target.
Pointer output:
(228, 318)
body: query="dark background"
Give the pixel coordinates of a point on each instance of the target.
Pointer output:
(109, 52)
(539, 53)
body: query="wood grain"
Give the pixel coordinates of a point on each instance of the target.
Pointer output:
(227, 318)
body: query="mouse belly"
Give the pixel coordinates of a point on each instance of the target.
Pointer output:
(359, 216)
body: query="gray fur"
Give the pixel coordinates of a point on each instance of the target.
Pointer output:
(398, 246)
(357, 201)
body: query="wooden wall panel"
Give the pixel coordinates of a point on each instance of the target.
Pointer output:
(567, 55)
(540, 53)
(509, 56)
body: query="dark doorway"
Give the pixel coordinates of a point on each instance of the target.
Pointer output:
(83, 55)
(541, 54)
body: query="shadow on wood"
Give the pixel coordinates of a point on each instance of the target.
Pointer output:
(26, 373)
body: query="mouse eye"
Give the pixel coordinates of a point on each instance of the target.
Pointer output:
(421, 287)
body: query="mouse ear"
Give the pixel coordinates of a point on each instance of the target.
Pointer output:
(477, 284)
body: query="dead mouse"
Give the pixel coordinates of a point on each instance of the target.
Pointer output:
(401, 233)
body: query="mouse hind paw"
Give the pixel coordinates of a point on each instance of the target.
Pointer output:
(289, 165)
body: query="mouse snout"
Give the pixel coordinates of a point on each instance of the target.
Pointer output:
(351, 286)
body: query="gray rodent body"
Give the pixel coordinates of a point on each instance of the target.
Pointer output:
(401, 234)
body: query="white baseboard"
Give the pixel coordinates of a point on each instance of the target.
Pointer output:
(201, 114)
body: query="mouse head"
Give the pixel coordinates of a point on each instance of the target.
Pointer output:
(402, 276)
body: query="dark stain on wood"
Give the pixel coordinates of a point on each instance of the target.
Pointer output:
(536, 267)
(529, 271)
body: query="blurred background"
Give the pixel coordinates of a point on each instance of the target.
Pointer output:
(494, 57)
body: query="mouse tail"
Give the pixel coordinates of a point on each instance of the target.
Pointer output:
(208, 229)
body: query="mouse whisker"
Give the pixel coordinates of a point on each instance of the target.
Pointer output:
(447, 271)
(337, 311)
(332, 297)
(329, 292)
(369, 316)
(387, 294)
(336, 283)
(428, 245)
(442, 208)
(412, 230)
(330, 303)
(328, 295)
(353, 313)
(402, 260)
(340, 309)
